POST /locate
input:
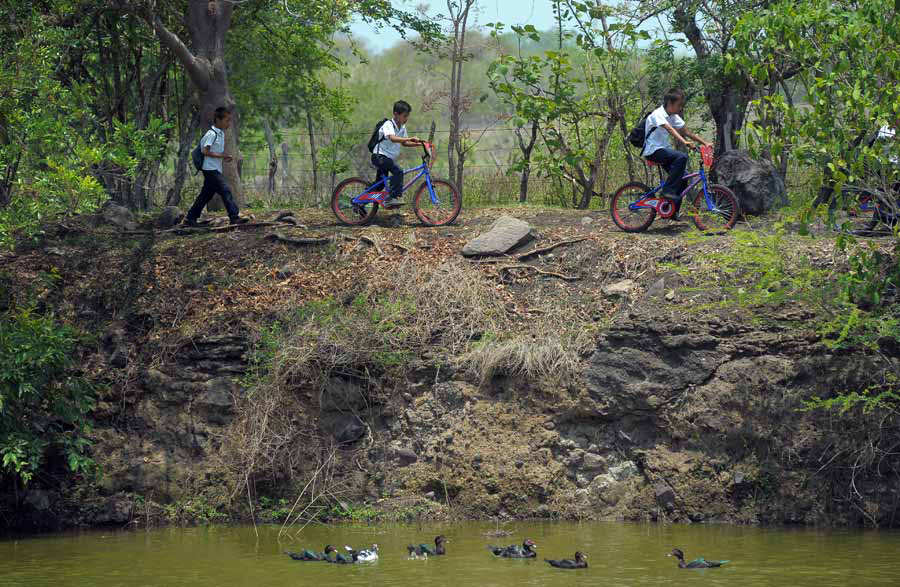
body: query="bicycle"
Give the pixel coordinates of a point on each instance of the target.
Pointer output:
(355, 202)
(872, 206)
(634, 206)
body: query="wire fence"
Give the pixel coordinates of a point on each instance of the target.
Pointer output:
(490, 177)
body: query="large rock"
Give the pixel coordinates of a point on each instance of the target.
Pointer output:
(169, 217)
(505, 234)
(757, 184)
(119, 216)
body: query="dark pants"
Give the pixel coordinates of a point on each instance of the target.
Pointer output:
(387, 166)
(675, 162)
(213, 183)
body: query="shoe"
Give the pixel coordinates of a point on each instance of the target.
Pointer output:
(393, 202)
(238, 220)
(190, 223)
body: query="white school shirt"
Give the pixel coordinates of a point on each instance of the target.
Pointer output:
(215, 140)
(387, 147)
(886, 133)
(660, 139)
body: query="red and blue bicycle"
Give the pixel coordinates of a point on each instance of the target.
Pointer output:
(437, 201)
(714, 207)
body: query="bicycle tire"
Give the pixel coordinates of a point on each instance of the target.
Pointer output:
(725, 200)
(343, 211)
(625, 195)
(432, 219)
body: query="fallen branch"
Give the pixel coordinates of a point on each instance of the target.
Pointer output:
(302, 241)
(538, 271)
(549, 248)
(373, 242)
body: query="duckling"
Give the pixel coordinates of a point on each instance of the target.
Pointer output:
(699, 563)
(580, 562)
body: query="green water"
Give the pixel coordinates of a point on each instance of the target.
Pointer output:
(619, 554)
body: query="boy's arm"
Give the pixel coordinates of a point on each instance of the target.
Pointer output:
(699, 139)
(209, 153)
(405, 141)
(677, 136)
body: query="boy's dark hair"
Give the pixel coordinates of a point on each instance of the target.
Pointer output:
(673, 95)
(402, 107)
(221, 111)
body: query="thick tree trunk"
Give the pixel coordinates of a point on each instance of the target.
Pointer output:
(208, 23)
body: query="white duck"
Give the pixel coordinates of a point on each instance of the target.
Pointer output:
(364, 556)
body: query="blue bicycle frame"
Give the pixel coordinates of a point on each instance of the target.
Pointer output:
(647, 200)
(376, 194)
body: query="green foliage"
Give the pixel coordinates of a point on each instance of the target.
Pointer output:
(347, 512)
(883, 398)
(44, 406)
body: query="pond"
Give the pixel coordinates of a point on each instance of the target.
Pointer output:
(619, 554)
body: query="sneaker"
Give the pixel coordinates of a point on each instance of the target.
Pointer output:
(393, 202)
(238, 220)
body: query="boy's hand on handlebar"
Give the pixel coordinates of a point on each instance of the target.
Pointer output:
(690, 144)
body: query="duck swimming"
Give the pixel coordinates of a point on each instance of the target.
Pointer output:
(363, 556)
(699, 563)
(580, 562)
(310, 555)
(424, 550)
(516, 551)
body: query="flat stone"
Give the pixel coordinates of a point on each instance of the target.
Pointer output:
(620, 288)
(505, 234)
(585, 220)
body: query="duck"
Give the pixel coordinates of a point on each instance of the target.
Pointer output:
(516, 551)
(424, 550)
(365, 555)
(310, 555)
(340, 559)
(699, 563)
(580, 562)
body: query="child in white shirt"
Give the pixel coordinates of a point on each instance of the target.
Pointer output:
(392, 136)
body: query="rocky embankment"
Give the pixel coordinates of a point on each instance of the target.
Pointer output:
(621, 388)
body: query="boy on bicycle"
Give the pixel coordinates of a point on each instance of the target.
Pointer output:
(391, 137)
(658, 145)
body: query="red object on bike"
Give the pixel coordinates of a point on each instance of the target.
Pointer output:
(706, 153)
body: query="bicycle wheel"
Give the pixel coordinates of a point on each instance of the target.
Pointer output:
(724, 213)
(343, 207)
(625, 218)
(445, 207)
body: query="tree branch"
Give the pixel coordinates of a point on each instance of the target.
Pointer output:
(197, 69)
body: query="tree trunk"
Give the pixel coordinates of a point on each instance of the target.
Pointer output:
(208, 23)
(458, 11)
(313, 156)
(273, 158)
(186, 142)
(284, 167)
(526, 149)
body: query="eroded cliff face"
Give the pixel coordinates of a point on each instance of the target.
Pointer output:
(659, 412)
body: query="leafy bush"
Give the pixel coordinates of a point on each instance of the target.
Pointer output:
(44, 405)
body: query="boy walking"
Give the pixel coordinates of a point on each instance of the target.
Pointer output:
(391, 137)
(213, 147)
(658, 145)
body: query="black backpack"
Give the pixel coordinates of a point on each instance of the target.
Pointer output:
(637, 136)
(197, 155)
(374, 141)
